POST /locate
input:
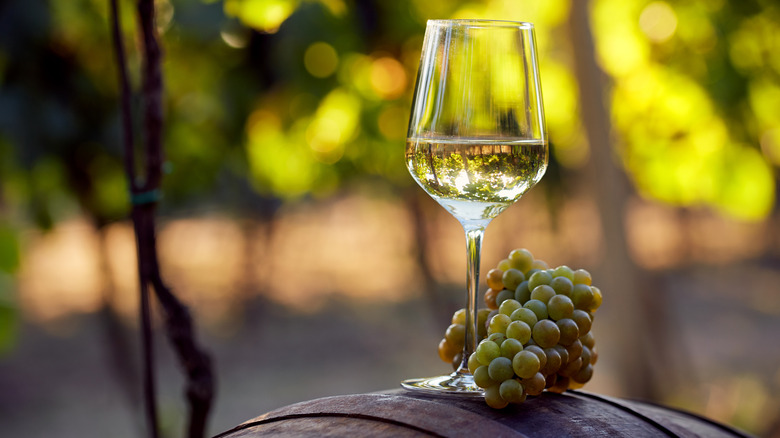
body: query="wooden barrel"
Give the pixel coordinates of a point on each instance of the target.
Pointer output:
(401, 413)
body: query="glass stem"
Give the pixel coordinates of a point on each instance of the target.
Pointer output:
(474, 235)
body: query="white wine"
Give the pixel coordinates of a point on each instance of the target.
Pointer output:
(476, 179)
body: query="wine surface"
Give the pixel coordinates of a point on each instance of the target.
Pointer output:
(476, 179)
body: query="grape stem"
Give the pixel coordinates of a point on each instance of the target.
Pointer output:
(474, 233)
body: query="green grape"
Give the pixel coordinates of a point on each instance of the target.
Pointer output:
(499, 323)
(482, 319)
(583, 320)
(455, 334)
(493, 279)
(582, 296)
(588, 340)
(563, 271)
(473, 363)
(597, 298)
(538, 307)
(504, 295)
(509, 306)
(586, 356)
(487, 351)
(521, 259)
(569, 331)
(582, 276)
(553, 363)
(512, 278)
(584, 374)
(500, 369)
(525, 364)
(575, 350)
(493, 398)
(562, 285)
(563, 353)
(560, 307)
(543, 293)
(546, 333)
(519, 330)
(498, 338)
(510, 347)
(534, 385)
(504, 265)
(539, 352)
(531, 272)
(571, 368)
(512, 391)
(522, 294)
(539, 278)
(482, 377)
(524, 314)
(539, 264)
(459, 317)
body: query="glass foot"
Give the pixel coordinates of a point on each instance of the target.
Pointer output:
(457, 384)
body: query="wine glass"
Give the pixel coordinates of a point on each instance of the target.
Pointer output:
(476, 142)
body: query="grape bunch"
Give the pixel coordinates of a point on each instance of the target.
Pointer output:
(535, 333)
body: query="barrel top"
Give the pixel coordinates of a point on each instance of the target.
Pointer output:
(405, 413)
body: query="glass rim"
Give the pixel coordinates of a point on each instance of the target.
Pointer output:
(479, 22)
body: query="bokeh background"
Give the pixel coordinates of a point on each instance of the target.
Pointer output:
(315, 266)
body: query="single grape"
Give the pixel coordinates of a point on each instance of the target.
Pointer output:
(539, 352)
(490, 299)
(447, 351)
(546, 333)
(538, 307)
(582, 276)
(487, 351)
(597, 298)
(586, 356)
(575, 350)
(509, 306)
(512, 278)
(582, 296)
(504, 265)
(500, 369)
(499, 323)
(525, 364)
(498, 338)
(482, 377)
(504, 295)
(534, 385)
(584, 374)
(569, 331)
(563, 271)
(459, 317)
(553, 363)
(524, 314)
(510, 347)
(457, 360)
(512, 391)
(539, 264)
(583, 320)
(594, 356)
(588, 340)
(550, 380)
(543, 293)
(494, 279)
(531, 272)
(560, 307)
(539, 278)
(519, 330)
(455, 334)
(562, 286)
(473, 363)
(521, 259)
(522, 294)
(493, 398)
(482, 319)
